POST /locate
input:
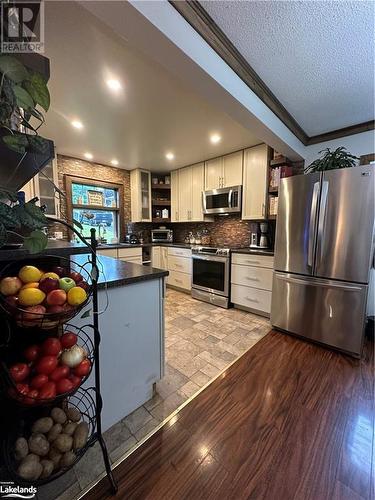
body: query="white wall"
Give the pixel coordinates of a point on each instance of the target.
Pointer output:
(358, 144)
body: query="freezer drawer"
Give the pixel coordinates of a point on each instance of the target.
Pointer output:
(325, 311)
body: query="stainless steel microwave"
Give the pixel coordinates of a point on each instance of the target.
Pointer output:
(222, 201)
(162, 235)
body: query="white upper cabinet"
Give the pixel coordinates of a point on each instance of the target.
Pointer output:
(225, 171)
(140, 182)
(187, 185)
(175, 207)
(255, 181)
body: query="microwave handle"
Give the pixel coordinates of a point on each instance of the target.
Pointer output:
(230, 198)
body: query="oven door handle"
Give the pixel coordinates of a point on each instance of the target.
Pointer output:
(216, 258)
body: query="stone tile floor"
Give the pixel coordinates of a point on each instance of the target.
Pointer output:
(200, 340)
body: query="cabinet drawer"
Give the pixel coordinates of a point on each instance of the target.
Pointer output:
(130, 252)
(179, 252)
(251, 297)
(255, 277)
(134, 260)
(252, 260)
(180, 280)
(109, 252)
(181, 264)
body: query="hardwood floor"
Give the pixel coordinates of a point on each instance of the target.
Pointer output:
(289, 420)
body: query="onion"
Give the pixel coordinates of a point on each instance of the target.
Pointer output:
(73, 356)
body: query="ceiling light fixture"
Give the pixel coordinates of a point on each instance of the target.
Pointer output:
(114, 162)
(215, 138)
(77, 124)
(114, 85)
(169, 156)
(88, 156)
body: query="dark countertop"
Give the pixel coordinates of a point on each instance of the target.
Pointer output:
(119, 273)
(254, 251)
(54, 247)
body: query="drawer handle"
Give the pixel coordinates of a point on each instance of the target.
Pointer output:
(252, 261)
(252, 279)
(250, 299)
(178, 281)
(178, 265)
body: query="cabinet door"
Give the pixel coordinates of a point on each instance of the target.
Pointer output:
(156, 257)
(197, 175)
(232, 167)
(175, 211)
(214, 173)
(164, 258)
(185, 193)
(255, 183)
(140, 182)
(44, 188)
(145, 186)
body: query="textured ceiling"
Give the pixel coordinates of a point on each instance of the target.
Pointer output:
(155, 113)
(317, 57)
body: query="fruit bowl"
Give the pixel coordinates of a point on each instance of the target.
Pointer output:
(42, 374)
(46, 294)
(83, 401)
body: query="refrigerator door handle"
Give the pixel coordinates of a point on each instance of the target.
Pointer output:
(317, 283)
(313, 210)
(322, 217)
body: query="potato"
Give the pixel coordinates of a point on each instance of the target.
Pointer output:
(80, 435)
(73, 414)
(69, 428)
(68, 459)
(38, 444)
(48, 467)
(63, 443)
(21, 448)
(55, 457)
(30, 469)
(54, 432)
(58, 415)
(42, 425)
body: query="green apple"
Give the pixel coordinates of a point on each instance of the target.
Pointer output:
(66, 283)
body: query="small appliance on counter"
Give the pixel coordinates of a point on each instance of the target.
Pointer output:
(162, 235)
(260, 238)
(132, 239)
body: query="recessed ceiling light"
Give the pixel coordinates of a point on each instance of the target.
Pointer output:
(77, 124)
(114, 162)
(89, 156)
(169, 156)
(215, 138)
(114, 85)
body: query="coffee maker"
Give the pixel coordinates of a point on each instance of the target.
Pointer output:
(259, 237)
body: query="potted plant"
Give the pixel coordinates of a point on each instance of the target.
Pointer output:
(330, 160)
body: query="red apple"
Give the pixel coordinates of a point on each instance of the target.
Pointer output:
(48, 284)
(12, 302)
(55, 309)
(56, 298)
(76, 276)
(33, 313)
(11, 285)
(84, 285)
(68, 307)
(60, 271)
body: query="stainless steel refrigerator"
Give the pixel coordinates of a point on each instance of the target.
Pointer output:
(323, 256)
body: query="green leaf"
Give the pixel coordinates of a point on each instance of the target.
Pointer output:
(77, 223)
(8, 216)
(35, 212)
(9, 195)
(30, 215)
(38, 144)
(5, 111)
(86, 314)
(13, 68)
(16, 142)
(37, 88)
(3, 235)
(36, 242)
(23, 98)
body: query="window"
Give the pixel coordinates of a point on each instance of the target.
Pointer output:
(96, 205)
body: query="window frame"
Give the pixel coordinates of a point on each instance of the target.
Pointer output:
(71, 179)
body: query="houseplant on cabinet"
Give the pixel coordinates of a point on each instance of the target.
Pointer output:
(330, 160)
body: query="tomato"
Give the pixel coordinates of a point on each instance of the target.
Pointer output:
(51, 347)
(48, 391)
(46, 364)
(22, 389)
(76, 381)
(38, 381)
(32, 395)
(64, 385)
(19, 372)
(59, 372)
(83, 368)
(32, 352)
(69, 339)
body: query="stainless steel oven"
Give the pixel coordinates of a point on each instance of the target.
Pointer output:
(210, 275)
(222, 201)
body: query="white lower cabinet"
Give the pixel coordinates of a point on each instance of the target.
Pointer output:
(179, 267)
(251, 282)
(159, 257)
(125, 254)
